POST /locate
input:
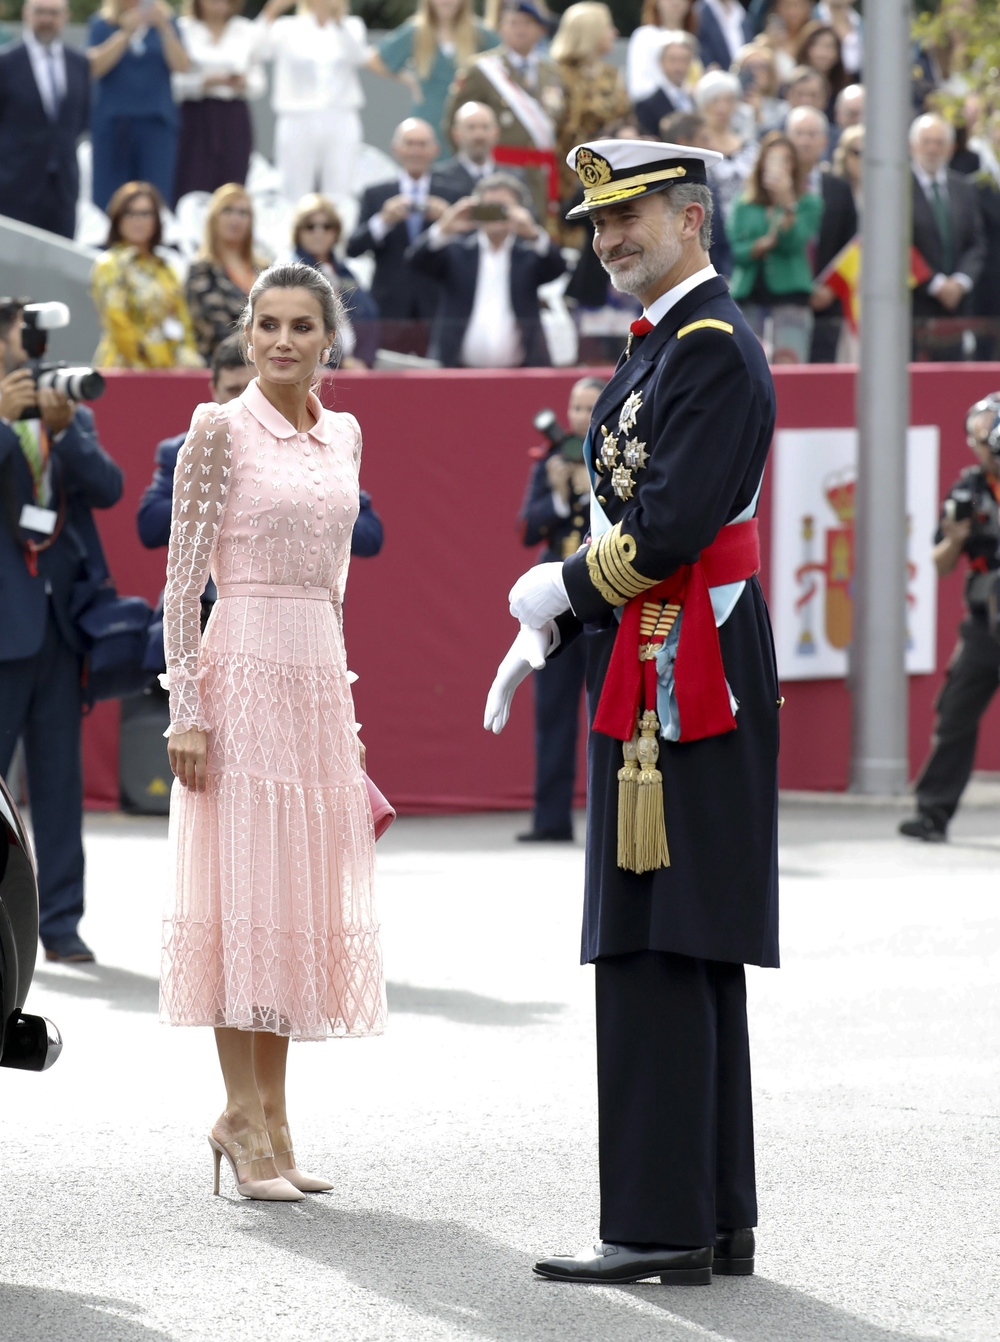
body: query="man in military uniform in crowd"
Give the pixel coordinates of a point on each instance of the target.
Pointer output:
(970, 525)
(557, 512)
(527, 96)
(681, 865)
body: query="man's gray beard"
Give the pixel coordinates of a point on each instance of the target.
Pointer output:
(651, 266)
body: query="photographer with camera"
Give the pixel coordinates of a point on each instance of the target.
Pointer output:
(556, 512)
(53, 471)
(489, 256)
(970, 525)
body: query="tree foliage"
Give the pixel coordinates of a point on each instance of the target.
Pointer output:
(963, 36)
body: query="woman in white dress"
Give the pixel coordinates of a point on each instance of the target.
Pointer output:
(316, 95)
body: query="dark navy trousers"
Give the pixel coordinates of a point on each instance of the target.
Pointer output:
(133, 149)
(675, 1115)
(40, 700)
(557, 719)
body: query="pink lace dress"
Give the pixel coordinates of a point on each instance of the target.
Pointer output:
(273, 924)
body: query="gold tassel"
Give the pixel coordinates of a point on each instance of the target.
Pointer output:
(628, 786)
(651, 850)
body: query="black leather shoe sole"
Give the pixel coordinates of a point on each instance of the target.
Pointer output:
(690, 1276)
(732, 1267)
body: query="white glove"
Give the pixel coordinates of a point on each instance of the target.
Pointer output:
(539, 595)
(527, 653)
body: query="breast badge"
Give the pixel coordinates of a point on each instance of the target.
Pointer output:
(629, 412)
(623, 462)
(635, 454)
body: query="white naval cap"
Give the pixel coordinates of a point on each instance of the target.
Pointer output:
(613, 171)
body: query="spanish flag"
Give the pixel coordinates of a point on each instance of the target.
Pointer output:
(843, 276)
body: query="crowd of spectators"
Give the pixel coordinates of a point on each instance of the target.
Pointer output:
(445, 259)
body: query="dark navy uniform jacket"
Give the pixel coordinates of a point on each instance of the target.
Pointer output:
(83, 477)
(154, 509)
(701, 399)
(541, 523)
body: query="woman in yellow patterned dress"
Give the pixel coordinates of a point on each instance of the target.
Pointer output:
(595, 92)
(139, 298)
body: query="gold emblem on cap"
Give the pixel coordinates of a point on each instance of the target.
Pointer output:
(592, 169)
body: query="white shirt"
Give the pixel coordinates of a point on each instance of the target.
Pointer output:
(526, 66)
(927, 182)
(642, 64)
(493, 337)
(235, 53)
(476, 170)
(416, 189)
(659, 308)
(48, 64)
(730, 19)
(315, 66)
(681, 99)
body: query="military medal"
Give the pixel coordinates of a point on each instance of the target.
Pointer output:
(609, 451)
(622, 482)
(635, 454)
(629, 411)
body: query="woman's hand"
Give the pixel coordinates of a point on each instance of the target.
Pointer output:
(188, 754)
(159, 15)
(762, 245)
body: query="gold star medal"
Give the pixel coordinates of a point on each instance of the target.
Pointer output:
(622, 482)
(609, 450)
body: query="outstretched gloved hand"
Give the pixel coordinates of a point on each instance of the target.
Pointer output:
(527, 653)
(539, 595)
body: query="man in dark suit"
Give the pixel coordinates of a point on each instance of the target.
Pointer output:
(53, 471)
(947, 226)
(392, 216)
(44, 109)
(685, 675)
(722, 30)
(488, 270)
(476, 133)
(809, 131)
(676, 56)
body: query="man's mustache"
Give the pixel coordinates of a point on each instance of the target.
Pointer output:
(623, 249)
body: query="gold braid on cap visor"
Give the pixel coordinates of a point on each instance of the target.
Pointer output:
(631, 186)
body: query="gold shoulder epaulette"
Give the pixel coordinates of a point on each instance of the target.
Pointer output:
(711, 323)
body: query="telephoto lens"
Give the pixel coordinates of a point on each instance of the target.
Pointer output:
(79, 384)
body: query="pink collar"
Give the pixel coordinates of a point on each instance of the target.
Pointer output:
(275, 422)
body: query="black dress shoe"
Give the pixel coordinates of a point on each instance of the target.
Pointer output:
(922, 827)
(613, 1264)
(733, 1257)
(546, 836)
(72, 951)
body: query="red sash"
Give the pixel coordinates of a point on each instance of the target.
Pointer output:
(518, 157)
(699, 678)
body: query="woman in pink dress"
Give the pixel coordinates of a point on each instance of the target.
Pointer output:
(272, 935)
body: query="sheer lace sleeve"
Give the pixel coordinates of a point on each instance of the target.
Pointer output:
(201, 485)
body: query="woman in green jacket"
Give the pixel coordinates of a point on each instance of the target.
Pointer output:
(770, 228)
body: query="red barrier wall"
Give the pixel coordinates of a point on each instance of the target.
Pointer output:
(446, 462)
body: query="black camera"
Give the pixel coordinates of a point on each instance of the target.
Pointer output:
(570, 445)
(78, 383)
(960, 505)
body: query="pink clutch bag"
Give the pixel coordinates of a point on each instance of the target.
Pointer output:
(382, 813)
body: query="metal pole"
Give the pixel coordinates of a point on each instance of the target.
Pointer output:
(878, 674)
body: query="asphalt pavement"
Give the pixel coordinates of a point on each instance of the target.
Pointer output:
(462, 1143)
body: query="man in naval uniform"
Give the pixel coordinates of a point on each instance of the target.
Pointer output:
(681, 874)
(527, 96)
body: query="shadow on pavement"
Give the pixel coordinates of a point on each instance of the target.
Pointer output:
(466, 1008)
(30, 1312)
(448, 1272)
(125, 990)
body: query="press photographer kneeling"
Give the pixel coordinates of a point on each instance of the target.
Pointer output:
(53, 471)
(970, 525)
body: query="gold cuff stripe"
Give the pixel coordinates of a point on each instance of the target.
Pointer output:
(611, 570)
(625, 186)
(706, 323)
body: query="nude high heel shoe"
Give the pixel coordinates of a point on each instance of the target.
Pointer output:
(307, 1183)
(241, 1153)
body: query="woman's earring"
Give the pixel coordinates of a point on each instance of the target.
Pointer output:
(249, 351)
(325, 356)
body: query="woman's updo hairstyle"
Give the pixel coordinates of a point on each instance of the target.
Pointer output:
(296, 275)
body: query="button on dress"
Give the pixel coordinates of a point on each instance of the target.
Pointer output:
(272, 924)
